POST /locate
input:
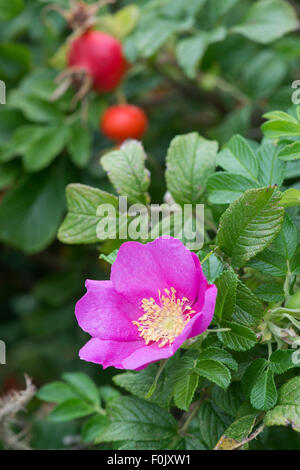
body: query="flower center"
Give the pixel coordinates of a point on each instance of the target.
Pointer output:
(166, 321)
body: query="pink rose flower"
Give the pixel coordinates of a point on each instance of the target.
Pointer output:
(157, 297)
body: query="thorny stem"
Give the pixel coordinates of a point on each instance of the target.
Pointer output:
(162, 364)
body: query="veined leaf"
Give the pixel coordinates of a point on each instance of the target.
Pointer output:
(238, 157)
(184, 391)
(271, 169)
(226, 285)
(290, 152)
(214, 371)
(80, 224)
(70, 409)
(239, 338)
(84, 386)
(263, 395)
(250, 224)
(126, 170)
(225, 188)
(290, 198)
(220, 355)
(190, 162)
(135, 417)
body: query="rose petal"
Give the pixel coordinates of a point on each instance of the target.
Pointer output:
(202, 285)
(108, 352)
(104, 313)
(141, 270)
(203, 319)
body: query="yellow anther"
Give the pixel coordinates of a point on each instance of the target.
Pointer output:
(163, 323)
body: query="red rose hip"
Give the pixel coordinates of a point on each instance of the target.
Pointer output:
(123, 122)
(101, 56)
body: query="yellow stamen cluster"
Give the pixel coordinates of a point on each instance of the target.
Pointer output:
(166, 321)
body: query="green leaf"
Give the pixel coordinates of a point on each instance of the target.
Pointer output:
(281, 361)
(10, 9)
(139, 383)
(47, 143)
(220, 9)
(237, 432)
(135, 417)
(36, 109)
(225, 188)
(253, 372)
(220, 355)
(271, 169)
(70, 409)
(271, 70)
(108, 393)
(263, 395)
(284, 415)
(290, 152)
(126, 170)
(275, 129)
(190, 51)
(181, 8)
(267, 20)
(214, 371)
(239, 158)
(121, 23)
(184, 391)
(280, 116)
(84, 386)
(287, 412)
(228, 400)
(93, 428)
(29, 200)
(80, 224)
(271, 292)
(190, 161)
(250, 224)
(193, 443)
(212, 267)
(289, 393)
(239, 338)
(226, 285)
(269, 262)
(153, 32)
(295, 264)
(56, 392)
(212, 423)
(290, 198)
(286, 242)
(249, 309)
(143, 445)
(80, 144)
